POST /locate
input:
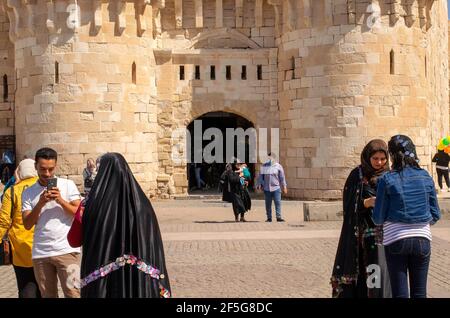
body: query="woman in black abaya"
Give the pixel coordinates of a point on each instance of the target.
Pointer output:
(123, 254)
(235, 191)
(358, 250)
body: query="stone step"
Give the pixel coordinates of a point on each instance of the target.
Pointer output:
(332, 211)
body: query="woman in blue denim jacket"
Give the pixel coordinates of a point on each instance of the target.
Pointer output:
(406, 205)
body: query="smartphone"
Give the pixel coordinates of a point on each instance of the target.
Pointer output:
(52, 183)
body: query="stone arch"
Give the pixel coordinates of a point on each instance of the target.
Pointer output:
(223, 33)
(212, 154)
(198, 111)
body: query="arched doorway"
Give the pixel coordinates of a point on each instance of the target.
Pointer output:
(243, 148)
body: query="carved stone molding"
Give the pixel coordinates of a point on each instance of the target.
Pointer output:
(221, 33)
(50, 22)
(141, 7)
(277, 6)
(97, 9)
(21, 18)
(178, 14)
(219, 13)
(121, 22)
(259, 13)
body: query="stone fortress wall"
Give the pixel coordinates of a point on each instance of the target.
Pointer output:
(316, 69)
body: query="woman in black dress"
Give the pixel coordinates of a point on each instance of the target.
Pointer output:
(233, 191)
(359, 259)
(123, 254)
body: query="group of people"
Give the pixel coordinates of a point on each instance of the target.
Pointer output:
(204, 176)
(47, 221)
(236, 178)
(388, 210)
(385, 238)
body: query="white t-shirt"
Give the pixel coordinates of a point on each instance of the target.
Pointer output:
(50, 232)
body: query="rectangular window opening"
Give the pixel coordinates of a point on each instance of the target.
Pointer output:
(56, 72)
(392, 62)
(228, 72)
(197, 72)
(181, 72)
(244, 72)
(259, 72)
(426, 70)
(5, 88)
(213, 72)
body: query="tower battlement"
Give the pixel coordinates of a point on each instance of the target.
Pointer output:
(92, 76)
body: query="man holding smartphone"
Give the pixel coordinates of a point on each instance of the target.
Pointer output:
(50, 204)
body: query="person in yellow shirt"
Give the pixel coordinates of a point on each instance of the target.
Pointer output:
(21, 239)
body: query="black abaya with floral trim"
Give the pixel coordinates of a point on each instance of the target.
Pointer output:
(120, 228)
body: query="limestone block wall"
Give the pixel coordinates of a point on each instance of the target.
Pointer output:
(110, 80)
(7, 78)
(343, 83)
(220, 46)
(86, 90)
(183, 20)
(183, 100)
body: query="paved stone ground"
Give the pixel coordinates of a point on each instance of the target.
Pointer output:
(209, 255)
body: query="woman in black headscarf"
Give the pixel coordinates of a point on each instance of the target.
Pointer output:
(123, 254)
(232, 185)
(357, 247)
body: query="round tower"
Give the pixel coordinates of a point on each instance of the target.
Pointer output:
(103, 75)
(351, 71)
(86, 81)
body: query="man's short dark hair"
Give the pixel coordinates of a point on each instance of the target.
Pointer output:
(46, 153)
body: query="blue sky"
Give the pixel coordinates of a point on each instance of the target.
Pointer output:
(448, 2)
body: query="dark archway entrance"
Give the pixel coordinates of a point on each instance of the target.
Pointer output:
(211, 171)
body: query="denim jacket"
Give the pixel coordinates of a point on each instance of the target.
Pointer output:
(408, 196)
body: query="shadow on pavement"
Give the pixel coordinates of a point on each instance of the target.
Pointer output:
(219, 222)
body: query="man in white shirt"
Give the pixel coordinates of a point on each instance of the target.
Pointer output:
(52, 211)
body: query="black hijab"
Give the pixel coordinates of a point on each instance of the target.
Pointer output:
(346, 264)
(119, 220)
(403, 152)
(374, 146)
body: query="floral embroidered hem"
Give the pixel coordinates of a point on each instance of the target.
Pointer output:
(122, 261)
(337, 282)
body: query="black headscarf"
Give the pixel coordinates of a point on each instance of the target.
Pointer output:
(119, 220)
(347, 272)
(403, 152)
(374, 146)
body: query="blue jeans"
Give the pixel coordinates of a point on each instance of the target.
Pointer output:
(276, 196)
(198, 178)
(409, 256)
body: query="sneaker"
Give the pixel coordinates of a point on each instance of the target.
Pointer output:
(269, 220)
(280, 220)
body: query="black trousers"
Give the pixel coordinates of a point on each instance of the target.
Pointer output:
(26, 282)
(443, 173)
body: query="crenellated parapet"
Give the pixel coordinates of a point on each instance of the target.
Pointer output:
(26, 15)
(92, 76)
(410, 11)
(289, 14)
(20, 16)
(302, 14)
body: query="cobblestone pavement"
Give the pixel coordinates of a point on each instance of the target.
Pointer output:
(209, 255)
